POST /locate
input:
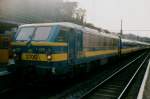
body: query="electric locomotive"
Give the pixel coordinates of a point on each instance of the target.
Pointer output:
(58, 49)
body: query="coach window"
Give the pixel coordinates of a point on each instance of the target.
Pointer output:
(62, 36)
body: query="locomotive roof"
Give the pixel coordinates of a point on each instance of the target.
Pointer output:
(67, 24)
(72, 25)
(84, 29)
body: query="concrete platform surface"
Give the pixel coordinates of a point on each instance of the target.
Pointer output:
(144, 92)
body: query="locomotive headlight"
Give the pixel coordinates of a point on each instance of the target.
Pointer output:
(49, 57)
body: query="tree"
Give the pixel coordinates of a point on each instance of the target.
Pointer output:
(79, 15)
(31, 11)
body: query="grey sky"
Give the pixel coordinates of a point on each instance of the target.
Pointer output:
(108, 13)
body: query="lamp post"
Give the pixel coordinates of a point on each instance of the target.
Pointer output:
(120, 41)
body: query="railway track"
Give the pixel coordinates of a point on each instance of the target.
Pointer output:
(86, 88)
(112, 87)
(116, 86)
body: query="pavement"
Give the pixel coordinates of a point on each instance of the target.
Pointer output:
(144, 92)
(3, 71)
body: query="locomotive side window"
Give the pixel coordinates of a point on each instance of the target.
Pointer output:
(42, 33)
(62, 36)
(25, 33)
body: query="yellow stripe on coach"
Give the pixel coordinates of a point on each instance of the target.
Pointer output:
(100, 52)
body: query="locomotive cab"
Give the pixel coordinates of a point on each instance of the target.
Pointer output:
(48, 48)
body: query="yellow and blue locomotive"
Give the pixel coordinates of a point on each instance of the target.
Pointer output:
(65, 48)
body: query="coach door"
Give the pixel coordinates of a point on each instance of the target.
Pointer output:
(72, 47)
(75, 45)
(78, 43)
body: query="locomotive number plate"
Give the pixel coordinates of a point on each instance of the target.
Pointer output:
(33, 57)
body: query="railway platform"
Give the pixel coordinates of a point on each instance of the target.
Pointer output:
(144, 92)
(5, 80)
(3, 70)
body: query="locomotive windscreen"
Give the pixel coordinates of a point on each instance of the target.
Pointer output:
(33, 33)
(25, 34)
